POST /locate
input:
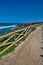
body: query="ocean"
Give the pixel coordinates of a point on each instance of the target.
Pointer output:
(6, 27)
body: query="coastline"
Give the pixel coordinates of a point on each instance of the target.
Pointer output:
(7, 29)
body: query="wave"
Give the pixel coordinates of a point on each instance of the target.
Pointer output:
(10, 26)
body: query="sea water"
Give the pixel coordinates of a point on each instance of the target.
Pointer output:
(6, 27)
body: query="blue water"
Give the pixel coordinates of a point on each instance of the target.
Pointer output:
(6, 27)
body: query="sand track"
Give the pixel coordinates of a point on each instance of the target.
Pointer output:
(27, 53)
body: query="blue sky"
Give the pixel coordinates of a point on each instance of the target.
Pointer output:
(21, 11)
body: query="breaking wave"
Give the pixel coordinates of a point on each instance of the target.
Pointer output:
(10, 26)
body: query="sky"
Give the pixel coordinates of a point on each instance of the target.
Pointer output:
(21, 11)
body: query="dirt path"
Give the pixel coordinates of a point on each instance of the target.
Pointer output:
(28, 52)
